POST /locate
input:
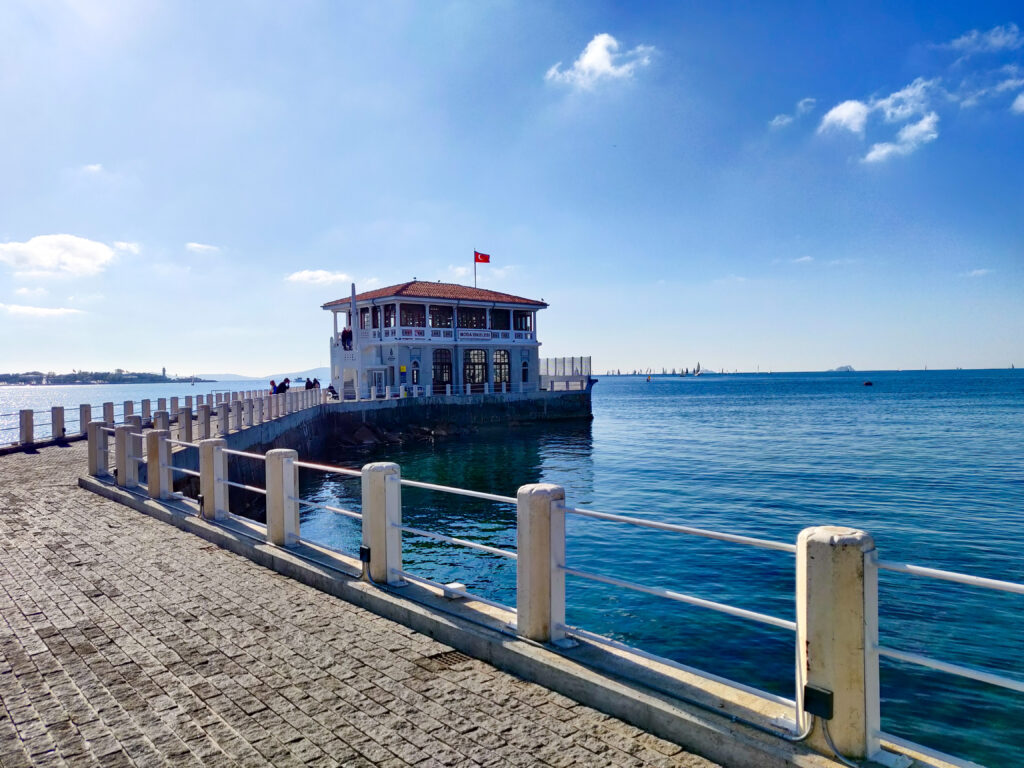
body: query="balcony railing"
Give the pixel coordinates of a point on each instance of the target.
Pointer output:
(418, 333)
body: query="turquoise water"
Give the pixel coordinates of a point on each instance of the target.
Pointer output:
(930, 463)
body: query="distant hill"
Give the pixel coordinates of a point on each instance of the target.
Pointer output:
(324, 374)
(842, 369)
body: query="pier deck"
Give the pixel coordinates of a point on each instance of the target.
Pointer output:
(126, 641)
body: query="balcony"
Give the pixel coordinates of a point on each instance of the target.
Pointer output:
(407, 334)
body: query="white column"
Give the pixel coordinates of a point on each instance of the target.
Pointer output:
(98, 449)
(135, 422)
(236, 407)
(127, 469)
(57, 422)
(159, 480)
(26, 426)
(540, 584)
(282, 490)
(203, 422)
(84, 417)
(222, 420)
(161, 403)
(247, 412)
(188, 401)
(174, 405)
(837, 628)
(213, 470)
(257, 412)
(382, 511)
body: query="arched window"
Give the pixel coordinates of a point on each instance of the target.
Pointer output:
(442, 371)
(502, 368)
(474, 369)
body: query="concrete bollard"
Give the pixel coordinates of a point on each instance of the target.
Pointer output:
(108, 414)
(57, 422)
(257, 411)
(387, 393)
(213, 471)
(188, 401)
(185, 425)
(124, 456)
(236, 411)
(203, 422)
(147, 410)
(161, 403)
(84, 417)
(26, 426)
(127, 409)
(200, 400)
(98, 449)
(540, 586)
(837, 630)
(135, 422)
(174, 405)
(222, 420)
(282, 489)
(159, 480)
(382, 511)
(401, 390)
(247, 412)
(161, 420)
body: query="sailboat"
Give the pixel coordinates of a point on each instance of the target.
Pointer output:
(697, 371)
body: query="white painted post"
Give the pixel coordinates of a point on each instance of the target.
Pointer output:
(127, 469)
(222, 420)
(161, 403)
(203, 422)
(185, 425)
(387, 392)
(257, 411)
(159, 480)
(382, 511)
(837, 629)
(247, 412)
(98, 450)
(147, 410)
(213, 471)
(540, 583)
(84, 417)
(236, 408)
(282, 490)
(448, 389)
(373, 392)
(108, 414)
(57, 431)
(218, 398)
(401, 390)
(162, 420)
(26, 436)
(127, 409)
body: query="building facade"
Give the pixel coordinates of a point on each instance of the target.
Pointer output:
(440, 337)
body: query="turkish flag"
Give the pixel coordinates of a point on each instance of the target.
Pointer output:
(481, 258)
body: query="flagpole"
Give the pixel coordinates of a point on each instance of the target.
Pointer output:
(474, 268)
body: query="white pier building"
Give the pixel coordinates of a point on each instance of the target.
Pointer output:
(434, 338)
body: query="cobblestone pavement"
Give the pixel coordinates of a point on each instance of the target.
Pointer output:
(126, 641)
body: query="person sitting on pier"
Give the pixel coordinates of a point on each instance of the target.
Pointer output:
(332, 392)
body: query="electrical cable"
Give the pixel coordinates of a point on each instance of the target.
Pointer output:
(828, 740)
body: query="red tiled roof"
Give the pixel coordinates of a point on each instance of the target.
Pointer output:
(421, 289)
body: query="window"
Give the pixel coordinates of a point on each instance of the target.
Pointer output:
(523, 320)
(442, 371)
(440, 317)
(415, 373)
(526, 372)
(364, 314)
(474, 369)
(389, 315)
(472, 317)
(502, 369)
(414, 315)
(500, 320)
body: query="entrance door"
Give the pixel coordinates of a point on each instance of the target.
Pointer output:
(377, 380)
(442, 371)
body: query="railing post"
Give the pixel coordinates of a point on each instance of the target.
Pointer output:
(213, 470)
(188, 401)
(540, 580)
(135, 422)
(127, 468)
(161, 403)
(57, 422)
(222, 420)
(159, 480)
(837, 630)
(108, 414)
(247, 412)
(147, 410)
(161, 420)
(84, 417)
(127, 409)
(203, 422)
(185, 425)
(257, 411)
(236, 407)
(174, 405)
(282, 492)
(98, 457)
(382, 512)
(26, 424)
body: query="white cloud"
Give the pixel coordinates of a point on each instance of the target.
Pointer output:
(850, 115)
(458, 271)
(121, 245)
(202, 248)
(601, 60)
(909, 138)
(805, 105)
(977, 273)
(802, 108)
(31, 292)
(318, 277)
(1018, 104)
(93, 168)
(908, 101)
(18, 309)
(803, 260)
(56, 256)
(1003, 38)
(780, 120)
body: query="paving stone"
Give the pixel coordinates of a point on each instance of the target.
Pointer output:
(125, 641)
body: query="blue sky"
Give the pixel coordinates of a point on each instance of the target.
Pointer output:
(784, 186)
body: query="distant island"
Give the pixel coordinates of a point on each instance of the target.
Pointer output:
(118, 376)
(842, 369)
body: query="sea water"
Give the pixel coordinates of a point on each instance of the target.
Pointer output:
(930, 463)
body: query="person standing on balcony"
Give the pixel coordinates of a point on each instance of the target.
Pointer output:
(346, 338)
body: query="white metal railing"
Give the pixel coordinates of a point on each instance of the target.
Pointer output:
(836, 590)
